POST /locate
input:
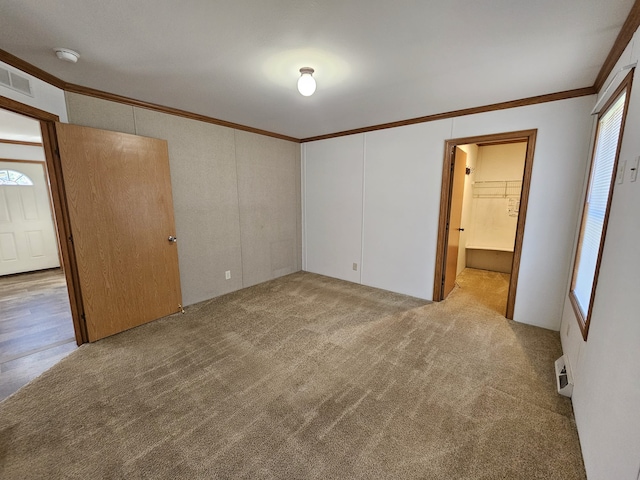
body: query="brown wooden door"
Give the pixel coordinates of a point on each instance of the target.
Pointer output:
(118, 191)
(455, 217)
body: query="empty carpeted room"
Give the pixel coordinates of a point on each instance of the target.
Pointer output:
(289, 254)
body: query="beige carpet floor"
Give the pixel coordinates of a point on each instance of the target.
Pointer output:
(303, 377)
(484, 287)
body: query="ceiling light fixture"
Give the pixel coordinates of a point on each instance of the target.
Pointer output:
(306, 82)
(67, 55)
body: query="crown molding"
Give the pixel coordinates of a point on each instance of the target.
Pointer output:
(92, 92)
(36, 72)
(625, 35)
(551, 97)
(629, 27)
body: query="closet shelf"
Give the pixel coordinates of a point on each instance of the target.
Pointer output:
(493, 249)
(497, 189)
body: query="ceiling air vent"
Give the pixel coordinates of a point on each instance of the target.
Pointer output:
(15, 82)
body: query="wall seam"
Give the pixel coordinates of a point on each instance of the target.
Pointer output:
(235, 159)
(303, 203)
(135, 123)
(364, 163)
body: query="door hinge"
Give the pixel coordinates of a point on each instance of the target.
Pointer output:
(82, 316)
(70, 238)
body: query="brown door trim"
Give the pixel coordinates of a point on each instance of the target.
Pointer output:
(61, 216)
(445, 201)
(20, 142)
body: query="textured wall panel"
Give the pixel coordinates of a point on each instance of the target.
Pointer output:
(268, 175)
(205, 198)
(97, 113)
(214, 194)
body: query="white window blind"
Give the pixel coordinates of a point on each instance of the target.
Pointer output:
(596, 203)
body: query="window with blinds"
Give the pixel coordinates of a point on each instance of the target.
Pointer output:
(596, 206)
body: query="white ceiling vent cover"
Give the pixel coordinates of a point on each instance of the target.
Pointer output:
(15, 82)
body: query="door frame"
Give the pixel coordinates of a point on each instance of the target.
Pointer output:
(445, 207)
(60, 210)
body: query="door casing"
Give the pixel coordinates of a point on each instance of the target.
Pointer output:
(60, 211)
(445, 202)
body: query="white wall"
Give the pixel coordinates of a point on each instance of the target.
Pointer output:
(21, 152)
(398, 179)
(606, 368)
(491, 225)
(501, 162)
(402, 175)
(45, 97)
(333, 183)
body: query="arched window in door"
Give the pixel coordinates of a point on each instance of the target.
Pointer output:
(13, 177)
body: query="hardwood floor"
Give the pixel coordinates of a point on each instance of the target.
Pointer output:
(36, 330)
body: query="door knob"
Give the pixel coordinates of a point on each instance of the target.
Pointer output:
(173, 239)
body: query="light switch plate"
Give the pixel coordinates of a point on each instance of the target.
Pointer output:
(634, 169)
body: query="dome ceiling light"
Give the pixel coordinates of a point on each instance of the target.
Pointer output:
(306, 82)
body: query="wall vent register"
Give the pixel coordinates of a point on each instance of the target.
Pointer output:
(15, 82)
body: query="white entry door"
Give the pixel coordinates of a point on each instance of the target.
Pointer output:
(27, 234)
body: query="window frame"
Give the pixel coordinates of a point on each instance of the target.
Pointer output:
(584, 319)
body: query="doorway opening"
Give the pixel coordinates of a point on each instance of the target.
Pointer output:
(129, 277)
(35, 315)
(485, 188)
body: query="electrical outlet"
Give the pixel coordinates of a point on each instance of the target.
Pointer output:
(227, 274)
(355, 267)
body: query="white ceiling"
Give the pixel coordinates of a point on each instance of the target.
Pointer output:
(376, 61)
